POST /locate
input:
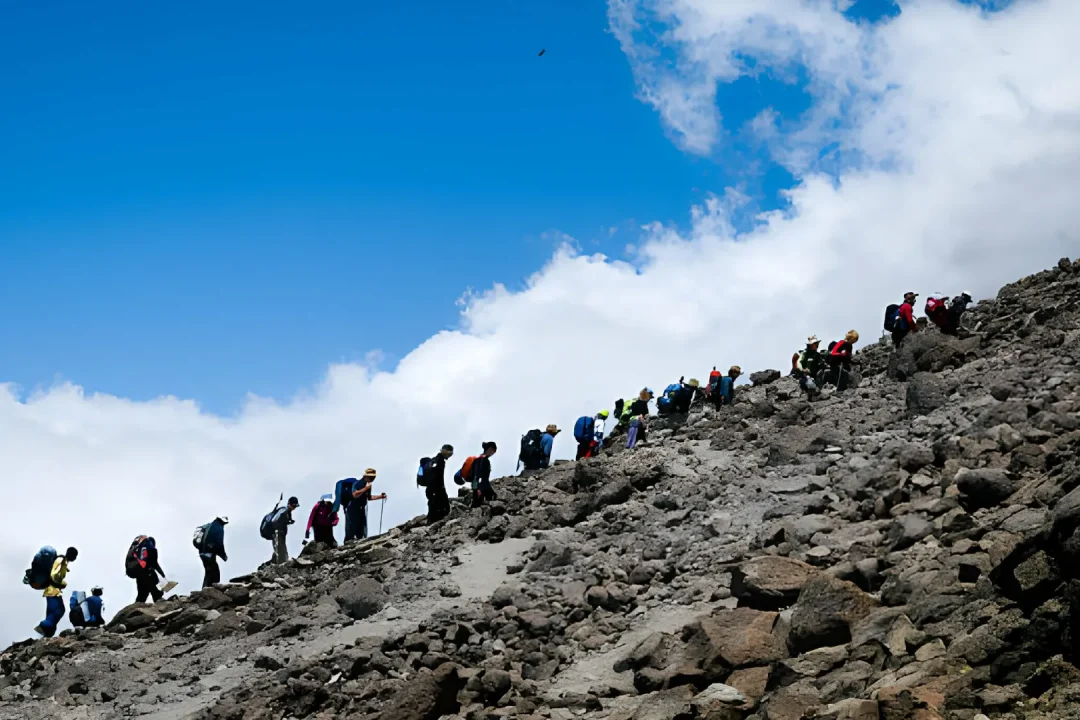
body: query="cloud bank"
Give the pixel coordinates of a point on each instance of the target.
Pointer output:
(959, 138)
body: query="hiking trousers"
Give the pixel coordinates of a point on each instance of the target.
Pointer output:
(356, 527)
(325, 535)
(584, 450)
(281, 549)
(438, 503)
(54, 613)
(211, 571)
(146, 585)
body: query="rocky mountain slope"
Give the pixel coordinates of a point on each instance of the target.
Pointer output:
(907, 549)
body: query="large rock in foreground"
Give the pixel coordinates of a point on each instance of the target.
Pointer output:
(770, 582)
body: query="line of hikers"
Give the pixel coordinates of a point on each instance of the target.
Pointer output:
(812, 367)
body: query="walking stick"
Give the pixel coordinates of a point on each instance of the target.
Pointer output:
(381, 508)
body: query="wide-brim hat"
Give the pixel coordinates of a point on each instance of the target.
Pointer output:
(370, 473)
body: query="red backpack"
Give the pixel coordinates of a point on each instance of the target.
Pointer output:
(934, 305)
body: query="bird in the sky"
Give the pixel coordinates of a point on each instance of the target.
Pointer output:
(542, 52)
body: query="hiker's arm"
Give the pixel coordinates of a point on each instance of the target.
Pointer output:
(361, 491)
(310, 522)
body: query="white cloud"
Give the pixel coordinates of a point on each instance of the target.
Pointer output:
(976, 155)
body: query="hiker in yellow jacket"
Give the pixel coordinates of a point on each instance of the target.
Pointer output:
(54, 593)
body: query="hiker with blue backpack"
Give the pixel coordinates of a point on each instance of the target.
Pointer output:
(900, 319)
(275, 527)
(356, 514)
(48, 572)
(724, 393)
(87, 610)
(209, 540)
(432, 477)
(589, 433)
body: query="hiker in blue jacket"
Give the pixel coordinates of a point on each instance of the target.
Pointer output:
(87, 610)
(547, 442)
(213, 547)
(356, 515)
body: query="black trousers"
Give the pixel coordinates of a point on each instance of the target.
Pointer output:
(211, 571)
(146, 586)
(325, 535)
(438, 504)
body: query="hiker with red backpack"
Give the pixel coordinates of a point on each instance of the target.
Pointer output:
(141, 565)
(323, 520)
(479, 475)
(900, 319)
(431, 477)
(48, 572)
(209, 540)
(945, 314)
(589, 433)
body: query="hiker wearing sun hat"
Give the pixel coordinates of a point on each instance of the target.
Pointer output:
(806, 364)
(547, 443)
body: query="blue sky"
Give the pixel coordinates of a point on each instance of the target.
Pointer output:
(207, 201)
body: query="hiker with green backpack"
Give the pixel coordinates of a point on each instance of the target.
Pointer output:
(48, 572)
(209, 540)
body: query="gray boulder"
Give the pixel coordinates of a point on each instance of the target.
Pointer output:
(360, 597)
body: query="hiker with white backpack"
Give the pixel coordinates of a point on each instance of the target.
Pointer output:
(209, 540)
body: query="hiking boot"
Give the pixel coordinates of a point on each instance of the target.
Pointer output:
(40, 631)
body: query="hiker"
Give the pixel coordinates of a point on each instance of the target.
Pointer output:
(209, 540)
(535, 451)
(548, 443)
(665, 405)
(142, 566)
(589, 433)
(840, 354)
(433, 476)
(686, 396)
(323, 519)
(639, 414)
(900, 319)
(620, 405)
(947, 314)
(806, 365)
(712, 390)
(480, 475)
(54, 590)
(87, 610)
(356, 519)
(623, 416)
(725, 387)
(343, 498)
(276, 526)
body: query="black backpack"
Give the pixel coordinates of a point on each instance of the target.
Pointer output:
(892, 312)
(133, 563)
(532, 450)
(421, 481)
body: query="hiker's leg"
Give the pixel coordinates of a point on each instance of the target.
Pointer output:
(211, 571)
(141, 589)
(281, 550)
(54, 613)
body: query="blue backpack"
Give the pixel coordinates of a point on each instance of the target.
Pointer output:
(39, 576)
(421, 481)
(584, 429)
(726, 387)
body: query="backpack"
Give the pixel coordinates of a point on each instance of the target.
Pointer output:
(346, 488)
(831, 346)
(39, 575)
(671, 389)
(266, 527)
(421, 481)
(132, 563)
(892, 315)
(532, 450)
(584, 429)
(199, 538)
(663, 405)
(934, 305)
(465, 473)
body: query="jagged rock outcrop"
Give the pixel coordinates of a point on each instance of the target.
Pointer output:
(909, 548)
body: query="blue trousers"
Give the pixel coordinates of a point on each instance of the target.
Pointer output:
(54, 613)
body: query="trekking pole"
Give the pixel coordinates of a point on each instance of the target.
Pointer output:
(381, 508)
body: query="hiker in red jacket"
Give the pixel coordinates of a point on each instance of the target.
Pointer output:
(905, 319)
(323, 519)
(840, 354)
